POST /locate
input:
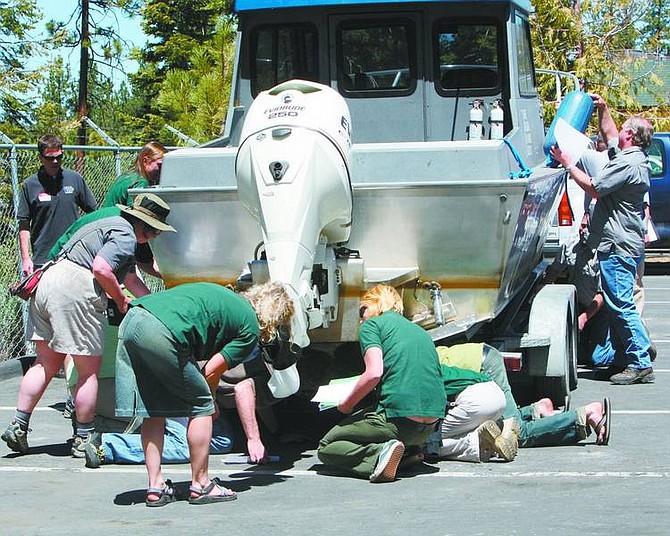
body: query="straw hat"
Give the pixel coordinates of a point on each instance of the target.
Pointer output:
(151, 209)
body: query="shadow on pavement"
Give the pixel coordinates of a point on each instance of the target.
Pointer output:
(58, 450)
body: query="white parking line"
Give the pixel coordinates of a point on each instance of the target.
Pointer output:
(232, 474)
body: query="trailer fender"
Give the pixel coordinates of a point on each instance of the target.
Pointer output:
(553, 325)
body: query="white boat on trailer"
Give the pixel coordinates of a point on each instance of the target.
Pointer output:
(395, 142)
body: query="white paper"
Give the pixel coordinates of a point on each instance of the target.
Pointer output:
(329, 396)
(571, 142)
(651, 230)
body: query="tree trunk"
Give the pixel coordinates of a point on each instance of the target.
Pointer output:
(82, 103)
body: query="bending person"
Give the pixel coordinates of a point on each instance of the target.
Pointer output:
(161, 340)
(245, 387)
(68, 310)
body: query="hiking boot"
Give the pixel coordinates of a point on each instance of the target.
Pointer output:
(606, 374)
(511, 428)
(79, 445)
(16, 438)
(493, 442)
(634, 375)
(94, 452)
(387, 463)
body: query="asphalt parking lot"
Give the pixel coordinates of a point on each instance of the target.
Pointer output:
(578, 490)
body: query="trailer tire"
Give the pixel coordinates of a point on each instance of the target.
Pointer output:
(553, 315)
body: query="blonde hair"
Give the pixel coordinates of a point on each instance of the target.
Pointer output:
(380, 299)
(273, 307)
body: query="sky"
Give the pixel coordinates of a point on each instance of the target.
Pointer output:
(129, 29)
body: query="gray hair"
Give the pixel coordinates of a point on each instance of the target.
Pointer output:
(642, 131)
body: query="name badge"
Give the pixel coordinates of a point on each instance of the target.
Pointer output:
(43, 197)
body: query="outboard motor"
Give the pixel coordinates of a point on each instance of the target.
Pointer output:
(292, 172)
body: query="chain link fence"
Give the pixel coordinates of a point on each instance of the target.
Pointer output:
(98, 165)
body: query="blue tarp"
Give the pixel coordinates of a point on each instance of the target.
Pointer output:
(251, 5)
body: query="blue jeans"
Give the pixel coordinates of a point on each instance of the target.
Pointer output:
(597, 331)
(617, 275)
(127, 448)
(560, 429)
(565, 428)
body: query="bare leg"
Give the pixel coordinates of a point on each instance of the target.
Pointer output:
(36, 380)
(594, 414)
(199, 434)
(545, 407)
(153, 434)
(86, 390)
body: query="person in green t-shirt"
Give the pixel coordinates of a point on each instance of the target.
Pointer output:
(161, 340)
(146, 172)
(402, 368)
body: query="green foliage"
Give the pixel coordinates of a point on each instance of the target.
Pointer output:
(17, 19)
(589, 40)
(656, 28)
(195, 101)
(184, 36)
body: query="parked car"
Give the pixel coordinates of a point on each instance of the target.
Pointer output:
(659, 193)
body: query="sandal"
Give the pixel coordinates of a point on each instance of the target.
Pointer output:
(203, 496)
(604, 422)
(165, 495)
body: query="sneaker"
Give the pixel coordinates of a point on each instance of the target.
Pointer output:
(94, 452)
(634, 375)
(387, 463)
(493, 442)
(16, 438)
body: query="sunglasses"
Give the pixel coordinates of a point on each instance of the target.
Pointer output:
(361, 311)
(49, 158)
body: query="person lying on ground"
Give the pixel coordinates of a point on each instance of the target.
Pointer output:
(537, 425)
(126, 448)
(469, 432)
(245, 388)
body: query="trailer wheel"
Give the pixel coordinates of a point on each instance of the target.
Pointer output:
(558, 387)
(553, 317)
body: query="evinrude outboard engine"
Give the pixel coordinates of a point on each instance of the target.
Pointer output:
(293, 176)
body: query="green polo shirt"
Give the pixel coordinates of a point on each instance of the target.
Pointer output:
(207, 319)
(118, 193)
(411, 385)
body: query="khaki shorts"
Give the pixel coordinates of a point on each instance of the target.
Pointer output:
(69, 311)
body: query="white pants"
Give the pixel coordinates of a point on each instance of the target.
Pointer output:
(474, 405)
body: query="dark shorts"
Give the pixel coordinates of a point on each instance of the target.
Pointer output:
(156, 376)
